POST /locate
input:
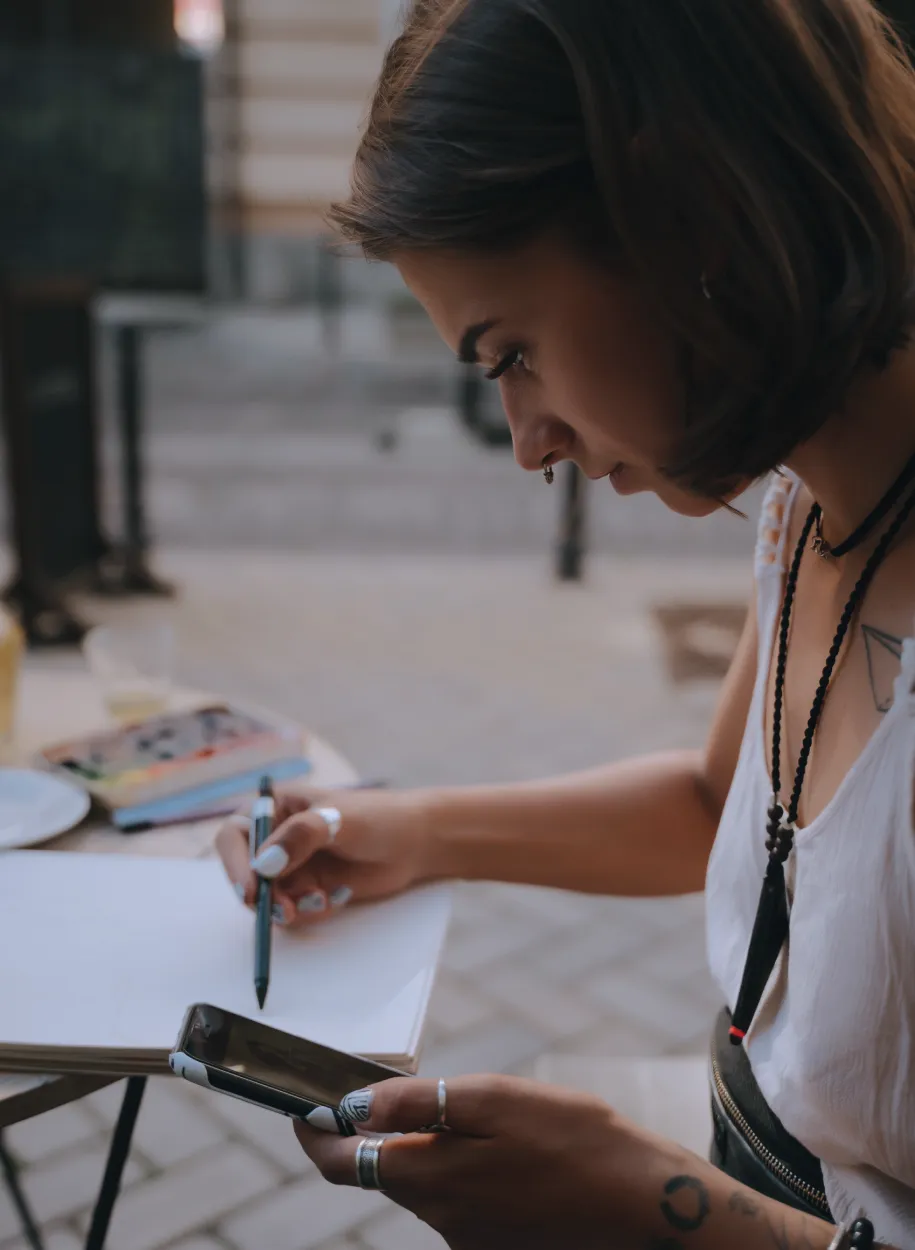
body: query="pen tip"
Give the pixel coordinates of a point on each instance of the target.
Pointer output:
(260, 989)
(266, 787)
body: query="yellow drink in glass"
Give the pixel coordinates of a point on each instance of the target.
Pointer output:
(12, 644)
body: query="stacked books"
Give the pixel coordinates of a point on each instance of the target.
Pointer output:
(179, 766)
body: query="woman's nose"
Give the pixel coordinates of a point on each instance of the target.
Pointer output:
(540, 440)
(535, 436)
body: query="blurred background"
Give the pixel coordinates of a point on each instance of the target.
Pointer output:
(214, 418)
(175, 158)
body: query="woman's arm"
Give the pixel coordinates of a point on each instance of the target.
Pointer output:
(528, 1165)
(701, 1208)
(637, 827)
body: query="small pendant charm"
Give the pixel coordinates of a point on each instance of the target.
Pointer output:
(818, 543)
(821, 547)
(548, 474)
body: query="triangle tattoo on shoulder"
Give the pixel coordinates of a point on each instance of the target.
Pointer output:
(882, 649)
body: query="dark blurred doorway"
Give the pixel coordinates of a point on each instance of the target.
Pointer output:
(101, 189)
(148, 23)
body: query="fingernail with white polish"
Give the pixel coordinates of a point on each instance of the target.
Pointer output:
(341, 896)
(240, 890)
(330, 1121)
(277, 915)
(270, 863)
(357, 1106)
(310, 903)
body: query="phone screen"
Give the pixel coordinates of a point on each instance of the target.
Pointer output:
(317, 1073)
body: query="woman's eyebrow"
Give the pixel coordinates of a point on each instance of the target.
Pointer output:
(467, 350)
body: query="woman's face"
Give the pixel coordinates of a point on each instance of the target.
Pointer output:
(586, 370)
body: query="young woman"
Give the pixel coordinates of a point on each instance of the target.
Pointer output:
(681, 237)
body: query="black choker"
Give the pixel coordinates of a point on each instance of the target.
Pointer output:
(873, 518)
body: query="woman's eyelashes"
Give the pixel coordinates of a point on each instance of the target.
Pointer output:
(512, 359)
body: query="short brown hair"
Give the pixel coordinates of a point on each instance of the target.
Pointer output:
(769, 141)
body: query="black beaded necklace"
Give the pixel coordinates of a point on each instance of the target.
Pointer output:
(770, 928)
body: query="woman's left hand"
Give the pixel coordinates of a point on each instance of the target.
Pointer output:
(523, 1164)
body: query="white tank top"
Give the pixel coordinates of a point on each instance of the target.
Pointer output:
(833, 1043)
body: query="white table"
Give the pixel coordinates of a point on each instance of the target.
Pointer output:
(58, 700)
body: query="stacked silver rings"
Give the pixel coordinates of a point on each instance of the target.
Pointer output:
(368, 1162)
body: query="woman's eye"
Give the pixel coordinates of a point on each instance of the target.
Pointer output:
(512, 359)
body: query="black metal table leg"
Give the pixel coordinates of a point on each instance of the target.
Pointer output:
(20, 1202)
(117, 1158)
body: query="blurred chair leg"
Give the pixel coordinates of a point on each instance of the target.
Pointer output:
(330, 296)
(571, 549)
(137, 576)
(20, 1202)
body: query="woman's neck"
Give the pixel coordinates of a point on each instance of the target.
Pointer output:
(854, 458)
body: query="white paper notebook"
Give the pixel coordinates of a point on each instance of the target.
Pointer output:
(102, 955)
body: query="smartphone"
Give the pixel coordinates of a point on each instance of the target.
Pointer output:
(269, 1068)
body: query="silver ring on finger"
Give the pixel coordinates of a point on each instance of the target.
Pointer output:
(332, 819)
(440, 1125)
(368, 1162)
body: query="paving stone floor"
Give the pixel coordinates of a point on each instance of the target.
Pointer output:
(423, 670)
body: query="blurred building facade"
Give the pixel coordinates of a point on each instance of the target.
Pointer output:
(287, 93)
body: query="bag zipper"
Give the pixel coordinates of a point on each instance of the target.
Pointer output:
(809, 1193)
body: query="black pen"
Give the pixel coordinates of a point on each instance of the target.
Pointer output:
(261, 829)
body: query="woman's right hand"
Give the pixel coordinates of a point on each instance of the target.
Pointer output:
(381, 848)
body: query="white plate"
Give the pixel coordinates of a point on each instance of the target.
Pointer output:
(35, 806)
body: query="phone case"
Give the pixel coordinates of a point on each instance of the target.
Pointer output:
(259, 1095)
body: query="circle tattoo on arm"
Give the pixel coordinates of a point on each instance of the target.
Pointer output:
(691, 1219)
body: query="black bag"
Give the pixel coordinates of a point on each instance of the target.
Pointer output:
(749, 1142)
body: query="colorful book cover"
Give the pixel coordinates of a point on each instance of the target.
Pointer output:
(214, 797)
(172, 753)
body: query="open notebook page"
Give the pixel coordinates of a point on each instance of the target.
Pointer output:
(107, 952)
